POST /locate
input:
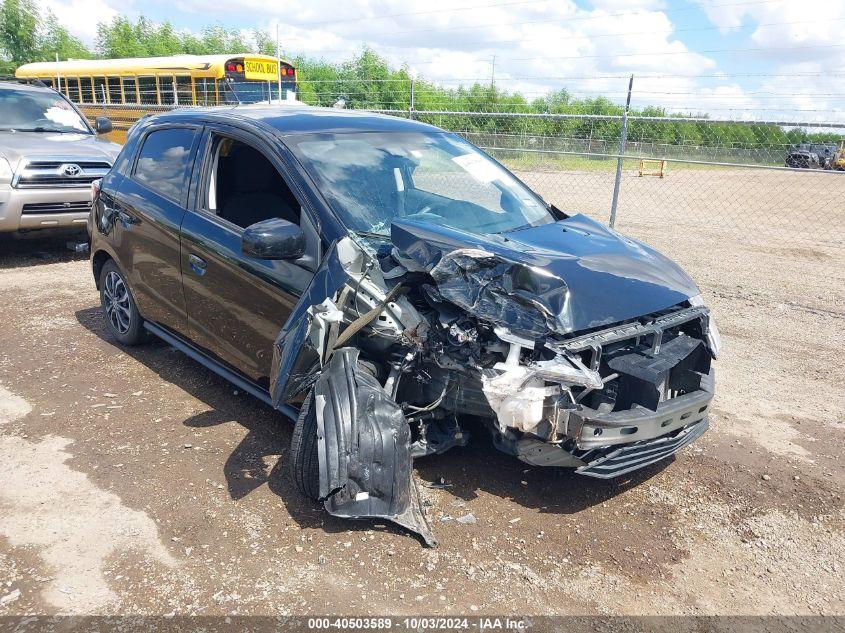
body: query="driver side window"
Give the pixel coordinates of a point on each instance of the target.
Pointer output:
(244, 187)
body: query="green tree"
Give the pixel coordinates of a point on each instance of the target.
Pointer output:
(54, 39)
(18, 33)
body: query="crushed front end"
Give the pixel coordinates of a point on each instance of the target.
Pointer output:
(574, 347)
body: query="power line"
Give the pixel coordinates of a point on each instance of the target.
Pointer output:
(563, 77)
(764, 95)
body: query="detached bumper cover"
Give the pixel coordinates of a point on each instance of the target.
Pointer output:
(635, 456)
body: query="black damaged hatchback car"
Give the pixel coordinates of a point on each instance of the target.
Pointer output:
(382, 281)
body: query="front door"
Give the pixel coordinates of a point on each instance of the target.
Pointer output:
(237, 304)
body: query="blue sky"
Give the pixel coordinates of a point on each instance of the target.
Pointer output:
(674, 47)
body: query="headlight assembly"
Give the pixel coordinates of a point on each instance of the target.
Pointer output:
(714, 338)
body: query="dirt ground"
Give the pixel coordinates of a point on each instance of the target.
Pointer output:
(135, 481)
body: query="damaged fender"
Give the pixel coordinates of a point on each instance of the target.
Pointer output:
(296, 356)
(364, 448)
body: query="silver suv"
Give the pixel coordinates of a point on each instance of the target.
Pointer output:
(49, 156)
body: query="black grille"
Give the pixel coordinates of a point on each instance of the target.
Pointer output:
(55, 164)
(43, 208)
(56, 181)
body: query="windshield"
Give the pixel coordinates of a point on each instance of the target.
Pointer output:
(371, 178)
(257, 91)
(37, 111)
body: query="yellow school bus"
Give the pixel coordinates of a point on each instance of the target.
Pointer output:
(176, 80)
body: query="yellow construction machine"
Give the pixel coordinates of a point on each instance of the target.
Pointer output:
(838, 160)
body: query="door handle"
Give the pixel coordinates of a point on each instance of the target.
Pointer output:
(198, 264)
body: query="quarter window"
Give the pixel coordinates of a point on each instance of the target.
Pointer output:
(163, 161)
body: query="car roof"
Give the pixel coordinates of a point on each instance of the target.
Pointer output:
(303, 119)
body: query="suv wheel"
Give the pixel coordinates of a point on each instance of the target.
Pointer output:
(304, 463)
(119, 310)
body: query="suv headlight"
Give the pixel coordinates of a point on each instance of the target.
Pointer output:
(714, 338)
(5, 171)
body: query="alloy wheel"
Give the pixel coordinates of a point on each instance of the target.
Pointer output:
(116, 303)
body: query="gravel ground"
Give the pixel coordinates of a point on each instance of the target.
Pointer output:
(135, 481)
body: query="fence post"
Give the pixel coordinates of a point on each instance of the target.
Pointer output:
(623, 141)
(411, 102)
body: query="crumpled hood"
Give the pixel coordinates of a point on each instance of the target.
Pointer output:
(562, 277)
(16, 145)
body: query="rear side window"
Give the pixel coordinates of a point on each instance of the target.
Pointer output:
(163, 161)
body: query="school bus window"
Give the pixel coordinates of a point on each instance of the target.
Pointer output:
(73, 88)
(114, 90)
(86, 90)
(99, 90)
(183, 90)
(166, 89)
(47, 81)
(130, 90)
(148, 90)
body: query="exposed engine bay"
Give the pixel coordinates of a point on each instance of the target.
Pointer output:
(597, 360)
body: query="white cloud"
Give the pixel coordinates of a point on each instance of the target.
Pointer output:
(545, 45)
(80, 17)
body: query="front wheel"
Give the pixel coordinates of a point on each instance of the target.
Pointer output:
(303, 462)
(119, 310)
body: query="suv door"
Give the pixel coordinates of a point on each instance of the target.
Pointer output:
(149, 205)
(236, 304)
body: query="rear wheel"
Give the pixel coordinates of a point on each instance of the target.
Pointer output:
(304, 463)
(119, 310)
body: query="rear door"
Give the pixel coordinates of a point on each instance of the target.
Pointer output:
(149, 206)
(236, 304)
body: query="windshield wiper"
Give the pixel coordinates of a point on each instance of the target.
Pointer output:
(44, 129)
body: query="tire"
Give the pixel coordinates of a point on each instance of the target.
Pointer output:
(304, 463)
(120, 312)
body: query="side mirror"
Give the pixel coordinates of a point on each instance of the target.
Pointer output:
(103, 125)
(273, 239)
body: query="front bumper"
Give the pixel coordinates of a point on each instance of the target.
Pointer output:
(615, 443)
(632, 457)
(595, 430)
(28, 209)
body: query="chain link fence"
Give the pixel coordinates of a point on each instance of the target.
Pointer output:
(652, 177)
(730, 177)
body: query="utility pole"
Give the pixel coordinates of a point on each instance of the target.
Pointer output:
(493, 72)
(623, 142)
(411, 102)
(279, 60)
(58, 76)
